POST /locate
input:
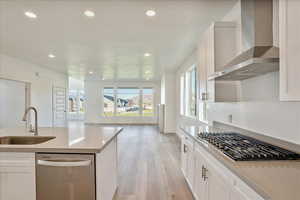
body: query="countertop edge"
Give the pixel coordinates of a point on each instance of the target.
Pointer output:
(33, 149)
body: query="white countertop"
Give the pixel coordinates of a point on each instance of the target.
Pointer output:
(74, 139)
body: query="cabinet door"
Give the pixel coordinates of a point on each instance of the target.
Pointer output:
(218, 187)
(289, 31)
(107, 172)
(183, 156)
(218, 46)
(200, 185)
(202, 71)
(190, 163)
(202, 74)
(17, 176)
(237, 194)
(210, 63)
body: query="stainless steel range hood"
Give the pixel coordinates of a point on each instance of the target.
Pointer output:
(260, 56)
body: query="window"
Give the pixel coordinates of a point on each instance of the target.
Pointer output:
(192, 103)
(147, 101)
(188, 92)
(128, 102)
(108, 102)
(182, 95)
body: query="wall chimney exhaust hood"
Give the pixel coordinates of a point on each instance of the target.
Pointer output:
(261, 56)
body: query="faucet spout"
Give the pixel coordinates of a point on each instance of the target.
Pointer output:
(35, 117)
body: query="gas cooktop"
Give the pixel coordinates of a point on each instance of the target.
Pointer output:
(243, 148)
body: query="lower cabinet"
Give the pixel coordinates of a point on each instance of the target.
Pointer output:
(237, 194)
(218, 185)
(17, 176)
(188, 160)
(107, 171)
(210, 179)
(201, 183)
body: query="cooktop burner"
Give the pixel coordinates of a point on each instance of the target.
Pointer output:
(243, 148)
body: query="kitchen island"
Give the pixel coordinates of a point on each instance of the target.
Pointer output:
(64, 168)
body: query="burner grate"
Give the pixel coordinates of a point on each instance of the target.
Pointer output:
(243, 148)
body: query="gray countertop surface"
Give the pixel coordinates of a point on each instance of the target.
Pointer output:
(273, 180)
(74, 139)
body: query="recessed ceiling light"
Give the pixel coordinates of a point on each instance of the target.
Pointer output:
(30, 14)
(91, 72)
(150, 13)
(89, 13)
(147, 54)
(51, 56)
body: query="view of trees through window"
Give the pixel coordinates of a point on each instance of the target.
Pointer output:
(128, 102)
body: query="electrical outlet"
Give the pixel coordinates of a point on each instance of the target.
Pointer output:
(230, 118)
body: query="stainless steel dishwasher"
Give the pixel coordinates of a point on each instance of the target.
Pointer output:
(65, 176)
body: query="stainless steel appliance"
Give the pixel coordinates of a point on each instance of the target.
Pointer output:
(260, 56)
(65, 176)
(243, 148)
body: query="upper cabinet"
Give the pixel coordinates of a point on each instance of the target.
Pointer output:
(215, 49)
(289, 31)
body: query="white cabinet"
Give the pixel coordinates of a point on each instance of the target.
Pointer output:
(210, 183)
(216, 48)
(188, 161)
(237, 194)
(211, 179)
(289, 31)
(107, 171)
(218, 184)
(200, 184)
(183, 155)
(17, 176)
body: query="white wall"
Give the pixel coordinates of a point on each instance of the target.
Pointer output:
(260, 109)
(12, 108)
(94, 102)
(42, 80)
(168, 92)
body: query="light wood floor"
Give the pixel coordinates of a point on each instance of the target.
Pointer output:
(149, 166)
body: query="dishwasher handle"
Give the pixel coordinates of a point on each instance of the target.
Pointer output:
(69, 163)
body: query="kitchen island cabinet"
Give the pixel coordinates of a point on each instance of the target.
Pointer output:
(17, 176)
(18, 163)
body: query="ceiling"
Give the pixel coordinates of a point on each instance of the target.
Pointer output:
(113, 43)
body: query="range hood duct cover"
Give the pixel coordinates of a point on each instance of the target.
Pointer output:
(257, 38)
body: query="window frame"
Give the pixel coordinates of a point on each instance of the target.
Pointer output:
(186, 99)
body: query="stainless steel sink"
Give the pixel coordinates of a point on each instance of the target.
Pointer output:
(24, 140)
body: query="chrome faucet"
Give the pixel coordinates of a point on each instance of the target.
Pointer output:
(35, 130)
